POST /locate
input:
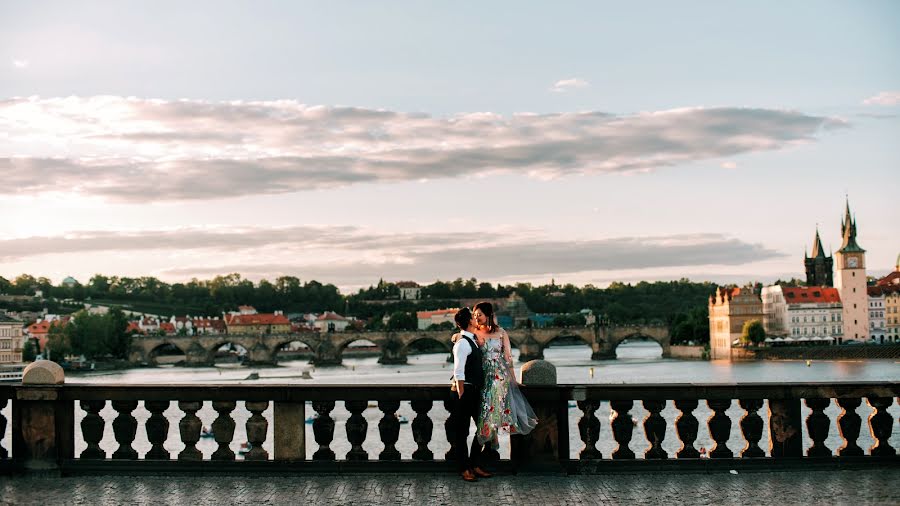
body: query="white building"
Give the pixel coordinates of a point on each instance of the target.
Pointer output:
(429, 318)
(409, 290)
(807, 313)
(850, 280)
(329, 321)
(876, 314)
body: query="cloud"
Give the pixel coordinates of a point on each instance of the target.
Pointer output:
(135, 150)
(565, 85)
(729, 165)
(884, 98)
(20, 64)
(349, 255)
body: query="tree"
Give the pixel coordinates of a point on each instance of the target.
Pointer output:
(29, 353)
(753, 333)
(401, 320)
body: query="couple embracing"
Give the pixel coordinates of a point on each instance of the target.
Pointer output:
(486, 389)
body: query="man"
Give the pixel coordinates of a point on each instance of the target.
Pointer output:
(468, 380)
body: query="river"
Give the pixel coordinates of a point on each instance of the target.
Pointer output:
(637, 363)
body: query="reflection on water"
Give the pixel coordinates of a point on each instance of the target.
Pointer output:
(638, 363)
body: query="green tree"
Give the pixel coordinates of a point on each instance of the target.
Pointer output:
(59, 344)
(402, 320)
(29, 352)
(753, 332)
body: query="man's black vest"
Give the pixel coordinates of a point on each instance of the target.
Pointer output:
(474, 365)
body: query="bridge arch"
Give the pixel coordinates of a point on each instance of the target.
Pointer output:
(154, 352)
(441, 339)
(657, 334)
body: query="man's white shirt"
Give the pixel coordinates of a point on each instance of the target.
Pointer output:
(461, 350)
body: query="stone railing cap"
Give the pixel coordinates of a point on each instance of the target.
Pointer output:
(43, 372)
(538, 372)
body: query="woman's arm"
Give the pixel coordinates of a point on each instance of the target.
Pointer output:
(507, 351)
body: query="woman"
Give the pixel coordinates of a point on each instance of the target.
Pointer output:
(503, 407)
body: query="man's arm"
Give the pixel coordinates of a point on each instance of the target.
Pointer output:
(461, 351)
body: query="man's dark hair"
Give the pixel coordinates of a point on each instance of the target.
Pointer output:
(463, 317)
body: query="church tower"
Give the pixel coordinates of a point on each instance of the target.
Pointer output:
(851, 281)
(819, 265)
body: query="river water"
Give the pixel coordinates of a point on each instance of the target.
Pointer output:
(637, 363)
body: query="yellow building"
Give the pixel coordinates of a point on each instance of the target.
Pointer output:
(10, 340)
(729, 309)
(258, 323)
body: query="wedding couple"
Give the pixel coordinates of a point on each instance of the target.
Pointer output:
(486, 389)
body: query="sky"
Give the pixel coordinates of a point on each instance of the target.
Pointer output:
(581, 142)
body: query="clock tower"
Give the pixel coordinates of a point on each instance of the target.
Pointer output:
(851, 281)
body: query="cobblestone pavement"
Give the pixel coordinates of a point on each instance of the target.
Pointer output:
(856, 487)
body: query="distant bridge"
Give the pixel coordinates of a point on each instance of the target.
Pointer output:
(328, 348)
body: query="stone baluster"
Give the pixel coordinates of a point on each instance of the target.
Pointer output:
(92, 426)
(817, 426)
(785, 428)
(4, 453)
(449, 425)
(849, 423)
(751, 427)
(719, 425)
(125, 428)
(356, 430)
(589, 429)
(323, 429)
(389, 429)
(881, 425)
(622, 428)
(655, 429)
(157, 428)
(686, 426)
(189, 426)
(422, 428)
(223, 429)
(257, 426)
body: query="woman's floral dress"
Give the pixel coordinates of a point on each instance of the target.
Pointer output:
(503, 406)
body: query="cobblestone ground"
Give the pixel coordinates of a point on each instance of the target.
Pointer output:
(856, 487)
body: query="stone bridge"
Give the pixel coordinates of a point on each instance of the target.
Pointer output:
(328, 348)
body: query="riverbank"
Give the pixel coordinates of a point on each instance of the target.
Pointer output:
(844, 352)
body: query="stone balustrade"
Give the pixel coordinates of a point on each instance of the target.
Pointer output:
(50, 421)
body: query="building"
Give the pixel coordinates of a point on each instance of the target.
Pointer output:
(428, 318)
(819, 266)
(729, 309)
(329, 321)
(876, 313)
(409, 290)
(802, 313)
(149, 325)
(257, 323)
(851, 281)
(890, 288)
(40, 330)
(209, 326)
(11, 340)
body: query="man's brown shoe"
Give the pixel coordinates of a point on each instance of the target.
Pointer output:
(469, 475)
(481, 473)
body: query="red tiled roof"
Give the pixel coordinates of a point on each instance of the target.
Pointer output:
(133, 327)
(424, 315)
(891, 279)
(328, 315)
(257, 319)
(803, 295)
(168, 328)
(209, 324)
(875, 291)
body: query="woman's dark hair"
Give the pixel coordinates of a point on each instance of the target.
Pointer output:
(487, 309)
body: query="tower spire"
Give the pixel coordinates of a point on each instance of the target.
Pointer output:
(848, 232)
